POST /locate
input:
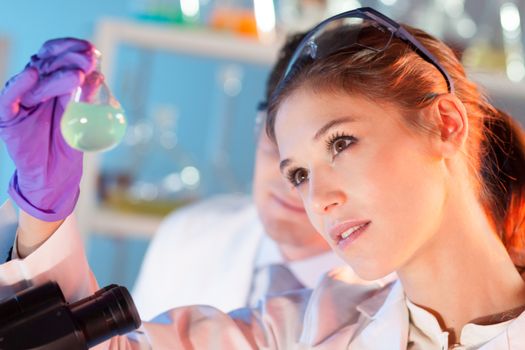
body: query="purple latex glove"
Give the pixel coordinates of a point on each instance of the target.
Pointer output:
(48, 171)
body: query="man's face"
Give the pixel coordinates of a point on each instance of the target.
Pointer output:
(279, 206)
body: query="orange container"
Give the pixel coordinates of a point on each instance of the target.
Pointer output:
(237, 20)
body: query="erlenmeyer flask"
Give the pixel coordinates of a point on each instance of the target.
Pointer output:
(93, 120)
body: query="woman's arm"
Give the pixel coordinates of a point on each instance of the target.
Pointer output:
(32, 233)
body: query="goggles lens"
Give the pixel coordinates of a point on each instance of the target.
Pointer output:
(363, 28)
(357, 33)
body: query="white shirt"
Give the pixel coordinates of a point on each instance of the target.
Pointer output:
(425, 332)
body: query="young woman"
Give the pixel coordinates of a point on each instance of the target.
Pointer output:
(402, 165)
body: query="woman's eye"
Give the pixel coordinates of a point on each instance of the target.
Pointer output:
(297, 176)
(339, 144)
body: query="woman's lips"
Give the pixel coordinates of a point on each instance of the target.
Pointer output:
(288, 205)
(348, 231)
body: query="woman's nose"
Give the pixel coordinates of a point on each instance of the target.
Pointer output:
(325, 195)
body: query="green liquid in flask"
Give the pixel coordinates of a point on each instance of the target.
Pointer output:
(90, 128)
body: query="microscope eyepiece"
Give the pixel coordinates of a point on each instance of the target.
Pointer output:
(106, 314)
(40, 318)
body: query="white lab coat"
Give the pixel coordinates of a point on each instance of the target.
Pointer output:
(213, 243)
(216, 242)
(335, 315)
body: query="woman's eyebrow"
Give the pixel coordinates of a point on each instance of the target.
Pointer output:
(331, 124)
(284, 163)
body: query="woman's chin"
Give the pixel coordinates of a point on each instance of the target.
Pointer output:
(369, 271)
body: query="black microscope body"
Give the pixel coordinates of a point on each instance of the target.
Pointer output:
(40, 318)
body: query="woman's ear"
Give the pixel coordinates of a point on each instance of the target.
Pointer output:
(449, 116)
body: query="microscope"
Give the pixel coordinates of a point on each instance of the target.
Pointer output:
(40, 318)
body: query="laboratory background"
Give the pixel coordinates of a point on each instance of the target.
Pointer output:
(190, 74)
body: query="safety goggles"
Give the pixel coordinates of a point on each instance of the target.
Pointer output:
(358, 24)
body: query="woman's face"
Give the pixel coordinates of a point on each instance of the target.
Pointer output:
(371, 186)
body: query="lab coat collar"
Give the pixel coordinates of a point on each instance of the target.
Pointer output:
(386, 297)
(331, 310)
(384, 321)
(512, 338)
(385, 324)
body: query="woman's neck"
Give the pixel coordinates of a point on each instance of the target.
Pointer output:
(464, 272)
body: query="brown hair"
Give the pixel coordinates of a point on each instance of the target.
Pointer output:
(495, 144)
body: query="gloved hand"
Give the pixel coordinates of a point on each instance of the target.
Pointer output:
(48, 171)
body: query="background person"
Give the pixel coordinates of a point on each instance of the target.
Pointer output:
(224, 251)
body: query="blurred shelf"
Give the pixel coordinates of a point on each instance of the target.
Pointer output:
(123, 225)
(197, 41)
(178, 40)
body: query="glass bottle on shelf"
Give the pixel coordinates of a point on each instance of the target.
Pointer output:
(229, 86)
(252, 18)
(512, 37)
(185, 12)
(301, 15)
(160, 175)
(485, 52)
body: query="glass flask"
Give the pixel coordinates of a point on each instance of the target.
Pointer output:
(93, 119)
